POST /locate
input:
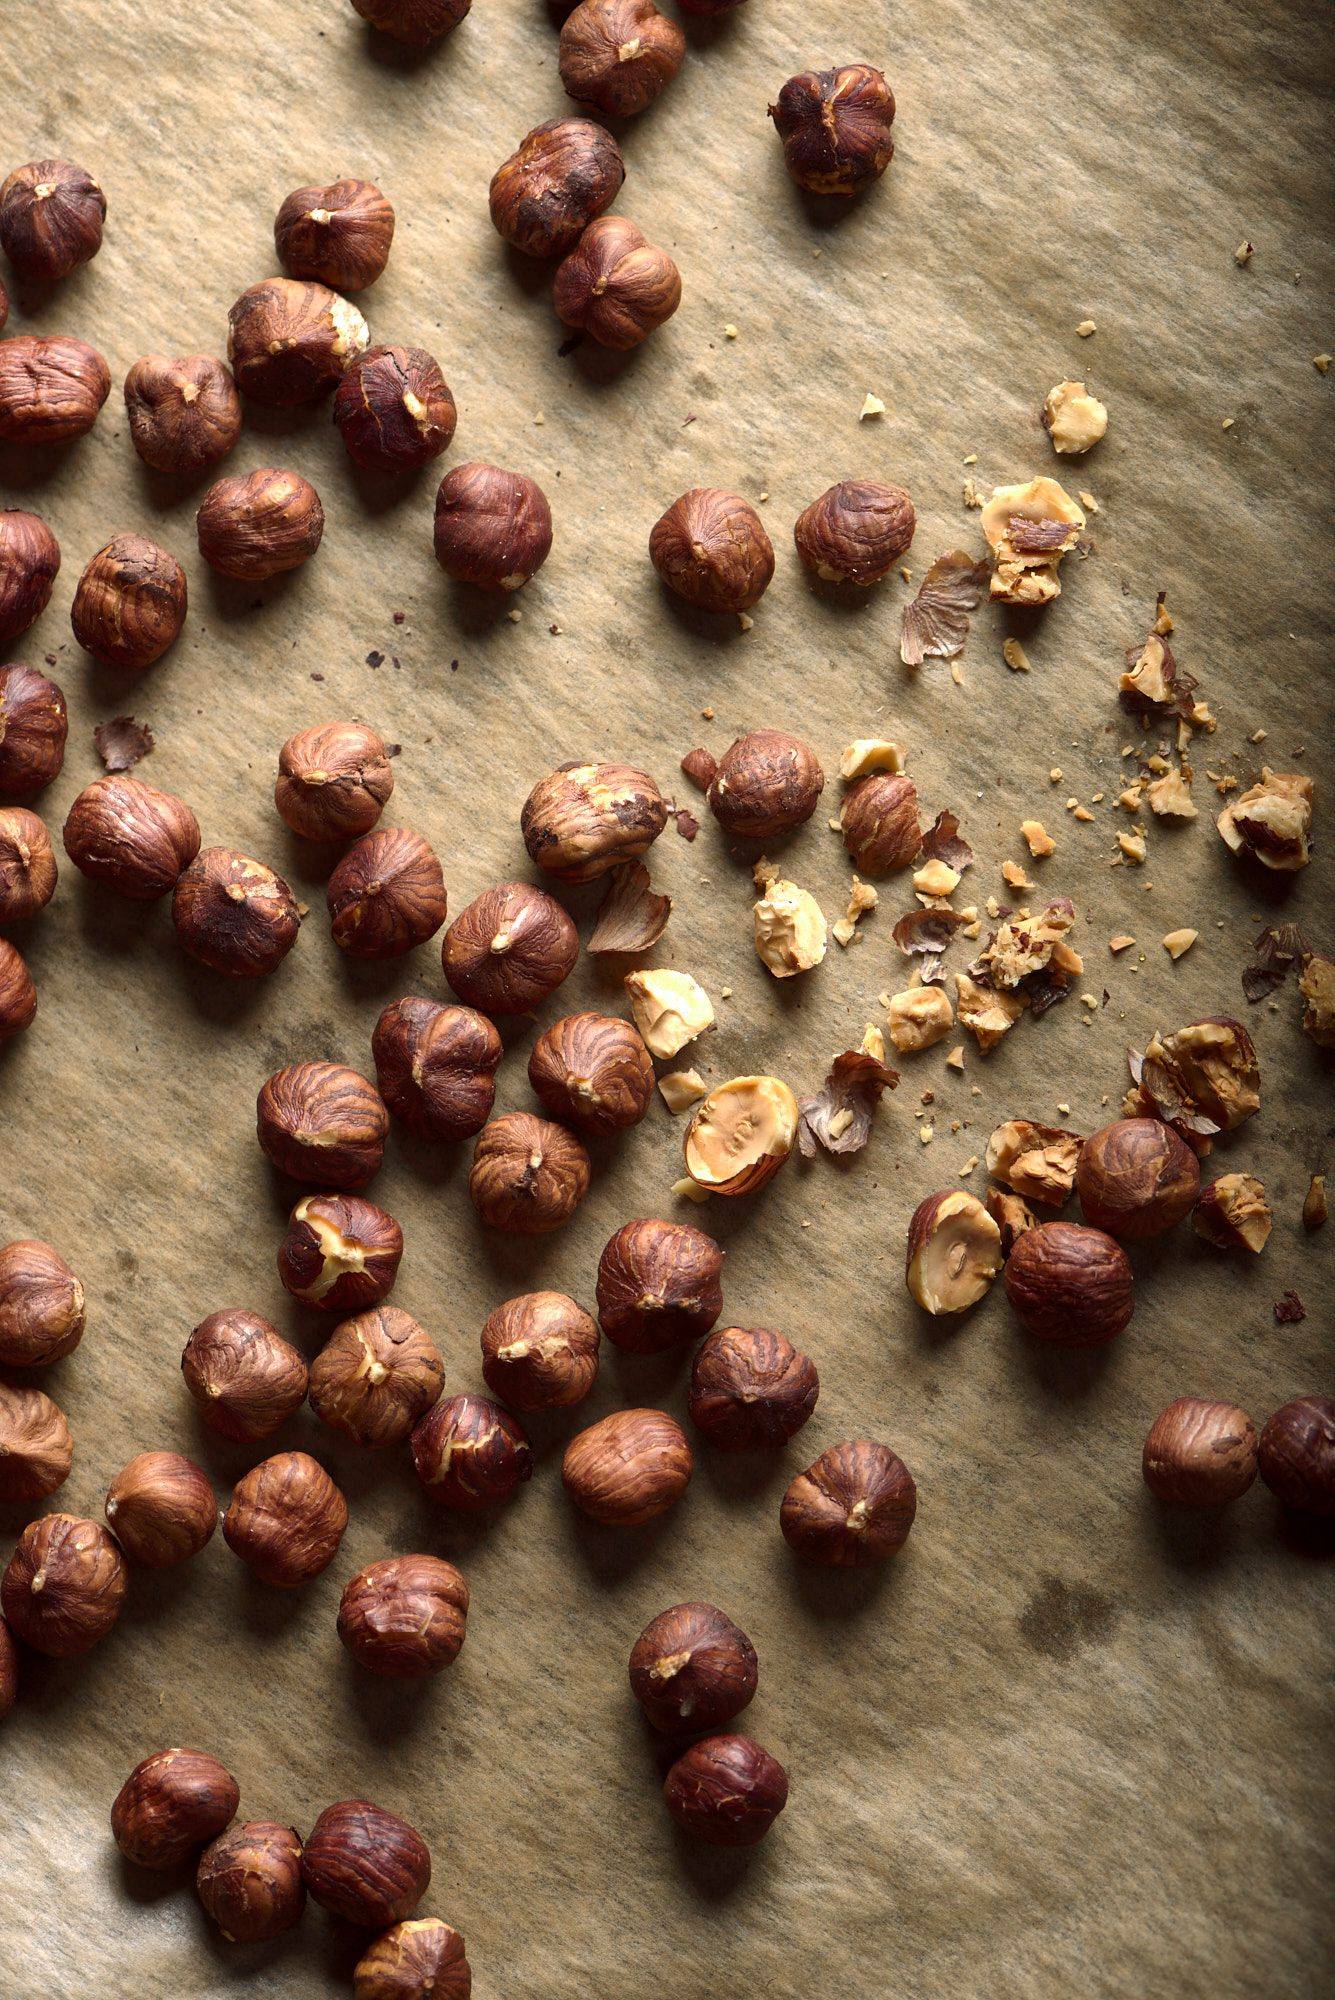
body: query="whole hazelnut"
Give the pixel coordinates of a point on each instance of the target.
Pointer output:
(726, 1791)
(130, 603)
(493, 528)
(51, 216)
(286, 1520)
(27, 865)
(1136, 1179)
(585, 819)
(254, 525)
(856, 532)
(741, 1134)
(540, 1351)
(470, 1454)
(376, 1376)
(365, 1864)
(954, 1252)
(766, 783)
(339, 234)
(619, 54)
(9, 1670)
(711, 549)
(1297, 1457)
(1069, 1285)
(322, 1122)
(559, 179)
(594, 1071)
(333, 781)
(4, 305)
(422, 1959)
(835, 127)
(509, 949)
(394, 410)
(1200, 1453)
(234, 914)
(289, 342)
(658, 1286)
(387, 894)
(691, 1668)
(18, 995)
(51, 388)
(855, 1505)
(246, 1379)
(41, 1305)
(171, 1805)
(879, 822)
(33, 721)
(436, 1067)
(628, 1468)
(136, 840)
(184, 415)
(64, 1586)
(29, 562)
(405, 1616)
(249, 1881)
(341, 1253)
(751, 1390)
(162, 1509)
(415, 23)
(616, 285)
(35, 1447)
(528, 1175)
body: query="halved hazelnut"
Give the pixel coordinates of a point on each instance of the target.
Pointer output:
(954, 1251)
(741, 1134)
(1233, 1212)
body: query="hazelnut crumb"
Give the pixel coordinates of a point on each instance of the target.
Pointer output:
(1244, 252)
(955, 1060)
(1089, 503)
(1039, 839)
(1314, 1203)
(926, 1134)
(1120, 942)
(1013, 653)
(1133, 847)
(682, 1087)
(730, 331)
(970, 1165)
(1321, 362)
(1055, 775)
(1085, 328)
(1064, 1110)
(1258, 736)
(1227, 424)
(1177, 942)
(706, 715)
(745, 621)
(872, 406)
(1013, 873)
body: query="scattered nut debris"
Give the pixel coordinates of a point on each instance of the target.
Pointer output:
(1012, 1216)
(681, 1088)
(1013, 874)
(121, 742)
(1244, 252)
(1289, 1310)
(926, 933)
(1013, 653)
(987, 1014)
(1202, 1081)
(631, 916)
(936, 623)
(936, 880)
(943, 841)
(1233, 1213)
(861, 898)
(1085, 328)
(1321, 362)
(1170, 796)
(1133, 847)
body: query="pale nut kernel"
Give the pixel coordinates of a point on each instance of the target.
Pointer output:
(790, 930)
(1029, 528)
(870, 753)
(919, 1017)
(629, 1468)
(1233, 1213)
(741, 1134)
(1037, 1161)
(670, 1009)
(1271, 821)
(1073, 419)
(987, 1014)
(954, 1252)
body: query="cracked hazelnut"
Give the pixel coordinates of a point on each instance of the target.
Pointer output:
(509, 949)
(619, 54)
(162, 1509)
(27, 865)
(1011, 1215)
(29, 563)
(394, 410)
(470, 1454)
(184, 415)
(365, 1864)
(286, 1520)
(741, 1134)
(1200, 1453)
(1296, 1459)
(711, 549)
(130, 603)
(33, 722)
(1073, 419)
(691, 1668)
(376, 1376)
(322, 1122)
(51, 388)
(246, 1379)
(658, 1286)
(289, 342)
(341, 1253)
(35, 1447)
(415, 23)
(628, 1468)
(670, 1009)
(559, 179)
(1135, 1178)
(835, 128)
(1232, 1211)
(136, 840)
(1069, 1285)
(528, 1175)
(423, 1959)
(879, 822)
(540, 1351)
(766, 784)
(171, 1805)
(41, 1305)
(616, 285)
(726, 1790)
(585, 819)
(64, 1586)
(333, 781)
(337, 235)
(789, 930)
(919, 1017)
(1316, 987)
(387, 894)
(51, 216)
(493, 528)
(954, 1252)
(1039, 1161)
(1271, 821)
(1202, 1080)
(594, 1071)
(249, 1881)
(234, 914)
(436, 1067)
(856, 532)
(751, 1389)
(404, 1617)
(855, 1505)
(254, 525)
(1029, 529)
(18, 995)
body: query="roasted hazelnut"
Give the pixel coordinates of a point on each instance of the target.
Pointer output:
(1203, 1080)
(51, 216)
(628, 1468)
(585, 819)
(540, 1351)
(35, 1447)
(249, 1881)
(1233, 1212)
(184, 415)
(509, 949)
(493, 528)
(726, 1790)
(855, 1505)
(394, 410)
(470, 1454)
(766, 784)
(835, 127)
(33, 722)
(422, 1959)
(1012, 1216)
(560, 177)
(1316, 989)
(254, 525)
(616, 285)
(415, 23)
(594, 1071)
(286, 1519)
(1297, 1456)
(9, 1670)
(711, 549)
(1029, 528)
(365, 1864)
(130, 603)
(322, 1122)
(1136, 1179)
(658, 1286)
(64, 1586)
(246, 1379)
(4, 305)
(1271, 821)
(338, 235)
(1039, 1161)
(691, 1668)
(436, 1067)
(341, 1253)
(27, 865)
(1069, 1285)
(387, 894)
(741, 1134)
(18, 995)
(528, 1175)
(619, 54)
(41, 1305)
(751, 1390)
(171, 1805)
(405, 1616)
(162, 1509)
(133, 838)
(376, 1376)
(856, 532)
(670, 1009)
(879, 822)
(333, 781)
(234, 914)
(29, 562)
(289, 342)
(789, 929)
(51, 388)
(1200, 1453)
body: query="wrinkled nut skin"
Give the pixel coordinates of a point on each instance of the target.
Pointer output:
(509, 949)
(36, 1450)
(618, 55)
(1199, 1453)
(1136, 1178)
(289, 341)
(436, 1067)
(42, 1310)
(585, 819)
(334, 781)
(130, 603)
(711, 549)
(64, 1586)
(27, 865)
(470, 1454)
(184, 415)
(835, 128)
(540, 1351)
(365, 1864)
(422, 1959)
(628, 1468)
(1297, 1456)
(33, 720)
(394, 410)
(234, 915)
(854, 1506)
(341, 1253)
(1069, 1284)
(855, 532)
(493, 528)
(404, 1617)
(338, 235)
(162, 1510)
(528, 1175)
(691, 1668)
(387, 894)
(254, 525)
(726, 1790)
(51, 388)
(9, 1671)
(594, 1071)
(616, 285)
(249, 1881)
(286, 1520)
(658, 1286)
(751, 1389)
(879, 822)
(131, 837)
(766, 784)
(246, 1379)
(376, 1376)
(171, 1805)
(415, 23)
(51, 216)
(559, 179)
(322, 1122)
(29, 564)
(18, 995)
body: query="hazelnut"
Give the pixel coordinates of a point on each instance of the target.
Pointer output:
(493, 528)
(1202, 1080)
(249, 1881)
(130, 603)
(136, 840)
(338, 235)
(711, 549)
(35, 1447)
(855, 1505)
(387, 894)
(41, 1305)
(585, 819)
(365, 1864)
(394, 410)
(628, 1468)
(33, 722)
(562, 175)
(1200, 1453)
(254, 525)
(375, 1376)
(405, 1616)
(856, 532)
(691, 1668)
(341, 1253)
(333, 781)
(954, 1252)
(1316, 986)
(322, 1122)
(766, 784)
(1270, 822)
(1011, 1215)
(415, 23)
(424, 1958)
(616, 285)
(741, 1134)
(879, 822)
(919, 1018)
(1069, 1285)
(18, 995)
(289, 342)
(528, 1175)
(670, 1009)
(64, 1586)
(1232, 1212)
(4, 305)
(751, 1390)
(1029, 529)
(658, 1286)
(1297, 1459)
(436, 1067)
(286, 1520)
(470, 1454)
(234, 914)
(1039, 1161)
(726, 1791)
(1073, 419)
(51, 216)
(184, 415)
(246, 1379)
(835, 128)
(29, 562)
(171, 1805)
(9, 1671)
(51, 388)
(540, 1351)
(789, 929)
(594, 1071)
(162, 1509)
(1135, 1179)
(619, 54)
(509, 949)
(27, 865)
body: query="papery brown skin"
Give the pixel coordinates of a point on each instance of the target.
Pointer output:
(855, 532)
(422, 1959)
(286, 1520)
(1136, 1178)
(18, 995)
(1297, 1455)
(64, 1587)
(726, 1791)
(254, 525)
(386, 895)
(711, 549)
(27, 865)
(766, 783)
(394, 410)
(751, 1389)
(594, 68)
(691, 1668)
(130, 603)
(339, 235)
(658, 1286)
(9, 1670)
(415, 23)
(404, 1617)
(594, 1071)
(134, 839)
(559, 179)
(36, 1450)
(628, 1468)
(171, 1805)
(880, 823)
(436, 1067)
(1069, 1284)
(249, 1881)
(51, 388)
(341, 1253)
(246, 1379)
(289, 341)
(51, 216)
(334, 781)
(631, 917)
(615, 285)
(835, 128)
(33, 719)
(322, 1122)
(42, 1307)
(376, 1376)
(509, 948)
(855, 1505)
(470, 1454)
(234, 915)
(29, 563)
(365, 1864)
(583, 820)
(1200, 1453)
(162, 1509)
(184, 414)
(528, 1175)
(493, 528)
(540, 1351)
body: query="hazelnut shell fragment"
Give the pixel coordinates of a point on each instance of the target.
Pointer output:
(1200, 1453)
(249, 1881)
(322, 1122)
(586, 819)
(42, 1309)
(509, 948)
(36, 1450)
(376, 1376)
(493, 527)
(404, 1617)
(171, 1805)
(711, 549)
(628, 1468)
(1136, 1178)
(658, 1286)
(51, 388)
(594, 1071)
(436, 1067)
(51, 216)
(540, 1351)
(234, 915)
(616, 285)
(691, 1668)
(1070, 1285)
(286, 1520)
(246, 1379)
(33, 719)
(387, 894)
(726, 1790)
(619, 54)
(130, 603)
(162, 1509)
(338, 235)
(254, 525)
(766, 784)
(470, 1454)
(559, 179)
(64, 1586)
(422, 1959)
(855, 1505)
(751, 1389)
(131, 837)
(365, 1864)
(855, 532)
(394, 410)
(341, 1253)
(333, 781)
(835, 128)
(1297, 1456)
(184, 415)
(528, 1174)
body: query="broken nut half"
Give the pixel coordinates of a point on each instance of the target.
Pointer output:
(790, 930)
(1271, 821)
(1073, 419)
(1029, 528)
(741, 1134)
(670, 1009)
(1233, 1213)
(954, 1252)
(1038, 1161)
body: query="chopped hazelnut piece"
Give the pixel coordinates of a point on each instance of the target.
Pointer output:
(1177, 942)
(1012, 1216)
(670, 1009)
(741, 1134)
(1321, 362)
(1085, 328)
(936, 879)
(1012, 872)
(954, 1252)
(1038, 1161)
(920, 1016)
(1039, 840)
(872, 406)
(1081, 813)
(955, 1060)
(790, 935)
(1271, 821)
(1233, 1213)
(871, 753)
(1013, 653)
(681, 1088)
(1032, 515)
(1133, 847)
(1025, 945)
(1316, 984)
(1075, 420)
(1314, 1203)
(1088, 502)
(1170, 796)
(986, 1014)
(1244, 252)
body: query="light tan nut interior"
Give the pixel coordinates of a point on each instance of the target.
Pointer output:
(954, 1252)
(670, 1009)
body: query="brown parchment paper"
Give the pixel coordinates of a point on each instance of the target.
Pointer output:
(1064, 1744)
